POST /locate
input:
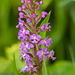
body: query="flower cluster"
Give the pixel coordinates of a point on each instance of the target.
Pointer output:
(31, 47)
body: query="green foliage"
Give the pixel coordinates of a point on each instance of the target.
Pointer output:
(5, 66)
(14, 49)
(61, 68)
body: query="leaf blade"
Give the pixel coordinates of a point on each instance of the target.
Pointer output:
(14, 65)
(45, 68)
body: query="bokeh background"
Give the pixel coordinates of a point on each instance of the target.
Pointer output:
(62, 20)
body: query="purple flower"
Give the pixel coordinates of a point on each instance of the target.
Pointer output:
(19, 9)
(22, 1)
(46, 42)
(24, 38)
(25, 56)
(53, 58)
(26, 46)
(29, 1)
(45, 27)
(30, 66)
(23, 69)
(35, 38)
(51, 52)
(23, 33)
(41, 2)
(40, 53)
(28, 21)
(21, 14)
(42, 27)
(34, 15)
(23, 6)
(20, 23)
(37, 3)
(44, 14)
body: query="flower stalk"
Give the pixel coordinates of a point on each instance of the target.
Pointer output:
(31, 47)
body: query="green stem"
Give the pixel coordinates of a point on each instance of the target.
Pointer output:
(72, 57)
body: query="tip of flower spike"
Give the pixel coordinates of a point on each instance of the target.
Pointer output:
(22, 1)
(41, 2)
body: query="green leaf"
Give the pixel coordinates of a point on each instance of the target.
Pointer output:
(43, 34)
(14, 65)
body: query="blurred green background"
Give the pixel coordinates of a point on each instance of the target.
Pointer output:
(62, 20)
